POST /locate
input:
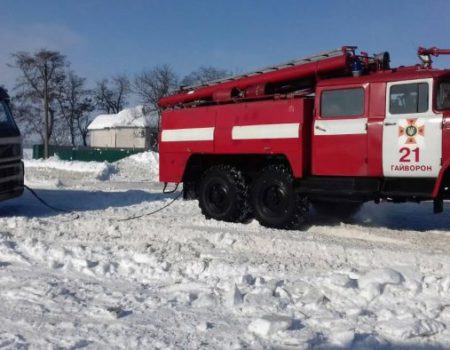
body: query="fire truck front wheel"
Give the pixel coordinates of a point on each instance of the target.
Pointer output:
(275, 202)
(223, 194)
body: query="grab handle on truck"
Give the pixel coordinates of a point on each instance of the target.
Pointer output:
(172, 191)
(320, 128)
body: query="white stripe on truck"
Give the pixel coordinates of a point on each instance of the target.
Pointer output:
(247, 132)
(266, 131)
(192, 134)
(340, 127)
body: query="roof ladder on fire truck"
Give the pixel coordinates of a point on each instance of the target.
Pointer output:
(254, 84)
(297, 62)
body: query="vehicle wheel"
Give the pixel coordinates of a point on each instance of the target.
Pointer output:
(275, 202)
(336, 209)
(223, 194)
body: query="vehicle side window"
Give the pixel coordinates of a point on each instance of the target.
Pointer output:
(342, 103)
(6, 119)
(408, 98)
(7, 124)
(443, 95)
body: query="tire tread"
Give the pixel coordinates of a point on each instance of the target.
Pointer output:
(234, 176)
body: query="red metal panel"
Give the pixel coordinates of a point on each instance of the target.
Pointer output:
(247, 114)
(305, 138)
(258, 113)
(446, 138)
(171, 166)
(377, 113)
(174, 155)
(377, 102)
(295, 160)
(445, 152)
(375, 146)
(340, 155)
(188, 119)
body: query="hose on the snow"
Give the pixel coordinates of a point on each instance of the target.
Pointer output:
(152, 212)
(44, 202)
(121, 219)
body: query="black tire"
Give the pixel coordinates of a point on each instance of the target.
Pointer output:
(341, 210)
(274, 201)
(223, 194)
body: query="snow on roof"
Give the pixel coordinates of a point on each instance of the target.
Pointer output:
(127, 118)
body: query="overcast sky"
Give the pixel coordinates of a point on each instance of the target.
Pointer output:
(105, 37)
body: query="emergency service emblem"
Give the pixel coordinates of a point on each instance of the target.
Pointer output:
(411, 132)
(412, 156)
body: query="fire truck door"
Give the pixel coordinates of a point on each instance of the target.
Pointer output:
(339, 145)
(412, 132)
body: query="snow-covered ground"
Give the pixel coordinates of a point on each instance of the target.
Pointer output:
(174, 280)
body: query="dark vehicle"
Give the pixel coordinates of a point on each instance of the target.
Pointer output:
(11, 165)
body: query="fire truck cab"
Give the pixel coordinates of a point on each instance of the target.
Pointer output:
(333, 130)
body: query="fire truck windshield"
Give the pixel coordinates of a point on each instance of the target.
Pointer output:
(7, 125)
(443, 95)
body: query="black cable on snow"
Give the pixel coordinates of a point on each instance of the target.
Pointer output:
(45, 203)
(152, 212)
(123, 219)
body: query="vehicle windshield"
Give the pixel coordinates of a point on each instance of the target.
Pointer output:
(443, 95)
(7, 125)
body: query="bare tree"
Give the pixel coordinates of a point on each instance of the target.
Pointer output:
(204, 74)
(153, 84)
(111, 96)
(28, 117)
(75, 105)
(42, 73)
(84, 121)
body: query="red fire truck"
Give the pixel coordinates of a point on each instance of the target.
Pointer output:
(333, 130)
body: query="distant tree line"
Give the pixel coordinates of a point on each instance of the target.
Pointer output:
(50, 99)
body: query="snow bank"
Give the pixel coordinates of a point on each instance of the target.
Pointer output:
(137, 168)
(56, 163)
(57, 169)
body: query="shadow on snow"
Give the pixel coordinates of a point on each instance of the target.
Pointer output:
(401, 216)
(74, 200)
(404, 216)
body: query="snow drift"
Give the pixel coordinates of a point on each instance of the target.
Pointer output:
(139, 167)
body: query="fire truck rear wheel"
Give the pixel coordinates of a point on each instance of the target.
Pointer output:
(223, 194)
(274, 199)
